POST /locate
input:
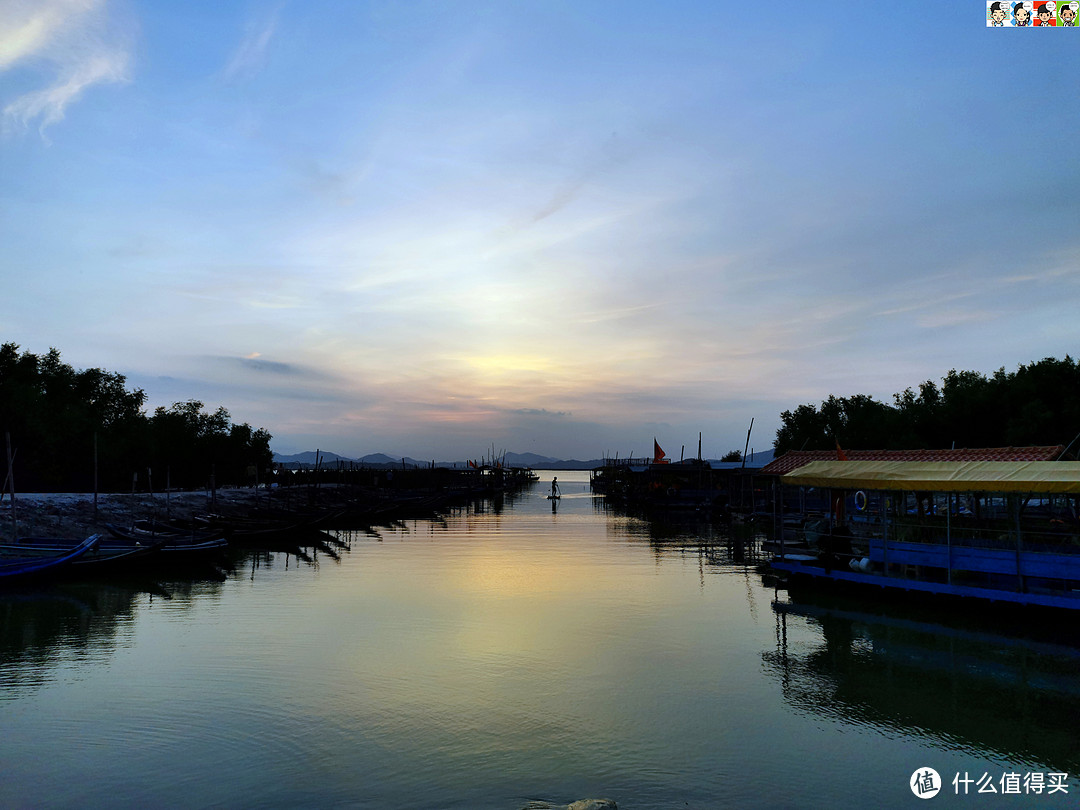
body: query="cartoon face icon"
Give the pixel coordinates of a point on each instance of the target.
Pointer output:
(1068, 15)
(1044, 15)
(997, 13)
(1021, 14)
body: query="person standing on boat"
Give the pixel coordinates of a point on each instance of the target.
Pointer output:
(555, 487)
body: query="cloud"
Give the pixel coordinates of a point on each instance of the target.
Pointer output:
(72, 42)
(250, 56)
(540, 412)
(255, 363)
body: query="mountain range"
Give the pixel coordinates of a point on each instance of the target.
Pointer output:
(536, 462)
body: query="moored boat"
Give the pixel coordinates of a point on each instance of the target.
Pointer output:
(174, 545)
(22, 563)
(102, 556)
(998, 531)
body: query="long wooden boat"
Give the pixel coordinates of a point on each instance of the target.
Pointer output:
(103, 556)
(997, 531)
(21, 563)
(173, 544)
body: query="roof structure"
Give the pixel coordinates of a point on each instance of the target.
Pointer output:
(941, 476)
(794, 459)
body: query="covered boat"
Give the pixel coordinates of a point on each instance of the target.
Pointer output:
(1000, 531)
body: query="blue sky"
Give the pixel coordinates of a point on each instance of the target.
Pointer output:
(425, 228)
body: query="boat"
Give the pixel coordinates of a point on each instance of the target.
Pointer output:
(995, 531)
(23, 563)
(104, 555)
(174, 544)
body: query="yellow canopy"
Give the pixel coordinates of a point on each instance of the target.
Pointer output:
(940, 476)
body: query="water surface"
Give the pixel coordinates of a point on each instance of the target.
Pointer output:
(511, 651)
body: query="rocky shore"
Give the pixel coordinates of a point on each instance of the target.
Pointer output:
(75, 515)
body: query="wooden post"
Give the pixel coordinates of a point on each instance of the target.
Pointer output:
(747, 446)
(885, 528)
(948, 536)
(95, 476)
(778, 510)
(11, 483)
(1019, 543)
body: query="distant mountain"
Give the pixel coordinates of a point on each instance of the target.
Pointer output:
(382, 458)
(306, 458)
(533, 460)
(528, 460)
(568, 464)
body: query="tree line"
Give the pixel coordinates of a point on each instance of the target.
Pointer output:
(1038, 404)
(60, 420)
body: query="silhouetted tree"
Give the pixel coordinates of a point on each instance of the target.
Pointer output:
(54, 413)
(1038, 404)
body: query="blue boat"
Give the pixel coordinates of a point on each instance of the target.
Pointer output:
(24, 563)
(997, 531)
(104, 556)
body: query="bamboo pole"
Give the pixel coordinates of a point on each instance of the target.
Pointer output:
(747, 446)
(11, 483)
(95, 476)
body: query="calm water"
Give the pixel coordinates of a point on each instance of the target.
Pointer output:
(510, 653)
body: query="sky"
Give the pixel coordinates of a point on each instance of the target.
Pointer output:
(434, 228)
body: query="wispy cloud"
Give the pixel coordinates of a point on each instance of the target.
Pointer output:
(71, 42)
(250, 56)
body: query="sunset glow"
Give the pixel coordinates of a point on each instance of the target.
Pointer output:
(425, 228)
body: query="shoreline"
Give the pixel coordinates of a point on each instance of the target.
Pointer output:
(71, 515)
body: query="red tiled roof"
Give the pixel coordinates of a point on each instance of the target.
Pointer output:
(794, 459)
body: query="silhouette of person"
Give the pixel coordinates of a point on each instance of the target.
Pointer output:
(555, 487)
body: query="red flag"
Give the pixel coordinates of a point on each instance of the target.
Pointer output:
(840, 454)
(658, 452)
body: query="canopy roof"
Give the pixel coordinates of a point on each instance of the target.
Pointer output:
(940, 476)
(794, 459)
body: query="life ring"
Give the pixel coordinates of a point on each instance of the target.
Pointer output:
(860, 500)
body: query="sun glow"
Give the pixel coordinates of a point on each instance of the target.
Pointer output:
(500, 365)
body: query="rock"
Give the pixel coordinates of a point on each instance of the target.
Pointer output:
(582, 804)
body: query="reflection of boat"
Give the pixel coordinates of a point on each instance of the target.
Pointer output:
(16, 562)
(1001, 531)
(963, 682)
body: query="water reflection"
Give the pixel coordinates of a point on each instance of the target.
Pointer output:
(721, 542)
(499, 652)
(40, 629)
(964, 683)
(45, 628)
